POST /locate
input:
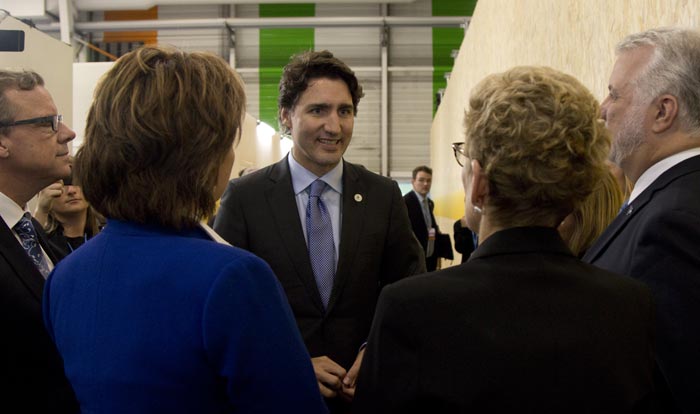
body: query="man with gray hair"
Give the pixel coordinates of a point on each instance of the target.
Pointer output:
(33, 154)
(653, 112)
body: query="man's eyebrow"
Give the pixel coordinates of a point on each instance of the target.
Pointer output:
(320, 105)
(323, 105)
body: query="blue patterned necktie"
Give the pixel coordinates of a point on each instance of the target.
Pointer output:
(320, 241)
(30, 243)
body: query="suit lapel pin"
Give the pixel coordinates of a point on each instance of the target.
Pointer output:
(358, 197)
(629, 210)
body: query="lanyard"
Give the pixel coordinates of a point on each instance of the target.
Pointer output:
(71, 247)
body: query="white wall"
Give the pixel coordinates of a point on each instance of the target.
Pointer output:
(85, 78)
(250, 151)
(50, 58)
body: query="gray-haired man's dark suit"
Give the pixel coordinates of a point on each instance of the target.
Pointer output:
(656, 240)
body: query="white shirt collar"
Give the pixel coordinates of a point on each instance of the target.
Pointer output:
(10, 211)
(655, 171)
(302, 178)
(420, 197)
(212, 234)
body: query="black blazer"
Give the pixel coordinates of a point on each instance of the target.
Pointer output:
(522, 327)
(32, 374)
(415, 215)
(259, 213)
(656, 240)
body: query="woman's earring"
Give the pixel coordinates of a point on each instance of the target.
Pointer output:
(477, 210)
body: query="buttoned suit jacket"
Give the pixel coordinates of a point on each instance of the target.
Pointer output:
(656, 240)
(420, 229)
(259, 213)
(522, 327)
(33, 379)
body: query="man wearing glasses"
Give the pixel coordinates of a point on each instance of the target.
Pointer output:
(33, 154)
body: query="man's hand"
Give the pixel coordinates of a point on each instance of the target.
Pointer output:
(45, 199)
(463, 221)
(350, 379)
(48, 194)
(329, 376)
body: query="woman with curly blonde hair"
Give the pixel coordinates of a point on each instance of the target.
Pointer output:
(523, 325)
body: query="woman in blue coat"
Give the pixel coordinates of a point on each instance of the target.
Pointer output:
(156, 314)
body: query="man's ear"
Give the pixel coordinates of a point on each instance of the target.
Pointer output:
(286, 122)
(4, 149)
(480, 185)
(666, 112)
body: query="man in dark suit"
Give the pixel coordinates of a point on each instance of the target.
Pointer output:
(33, 154)
(420, 212)
(371, 244)
(653, 111)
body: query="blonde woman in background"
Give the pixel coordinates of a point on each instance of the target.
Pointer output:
(583, 226)
(66, 216)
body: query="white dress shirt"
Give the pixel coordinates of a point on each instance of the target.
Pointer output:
(332, 196)
(655, 171)
(11, 214)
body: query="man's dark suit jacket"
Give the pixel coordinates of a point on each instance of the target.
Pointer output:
(420, 229)
(522, 327)
(32, 374)
(656, 240)
(259, 213)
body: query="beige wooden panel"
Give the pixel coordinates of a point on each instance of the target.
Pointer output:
(575, 36)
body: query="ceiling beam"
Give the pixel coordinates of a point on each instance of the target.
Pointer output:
(264, 22)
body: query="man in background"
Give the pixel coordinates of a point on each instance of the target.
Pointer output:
(33, 154)
(333, 232)
(420, 212)
(653, 112)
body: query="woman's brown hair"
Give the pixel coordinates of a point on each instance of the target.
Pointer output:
(161, 123)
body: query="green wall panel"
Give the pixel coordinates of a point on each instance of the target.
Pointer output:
(276, 47)
(447, 39)
(453, 7)
(287, 10)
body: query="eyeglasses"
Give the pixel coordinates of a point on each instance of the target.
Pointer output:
(55, 121)
(460, 156)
